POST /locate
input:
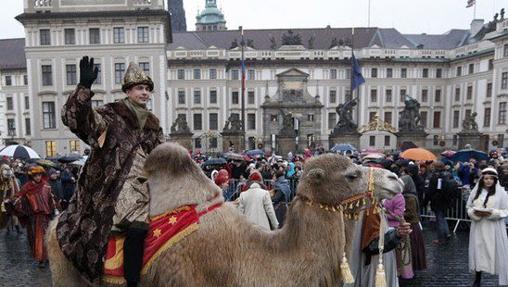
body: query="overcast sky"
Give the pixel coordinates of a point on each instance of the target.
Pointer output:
(407, 16)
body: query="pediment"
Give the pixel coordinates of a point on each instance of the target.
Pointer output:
(293, 72)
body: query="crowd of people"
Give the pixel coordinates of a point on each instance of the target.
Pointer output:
(430, 187)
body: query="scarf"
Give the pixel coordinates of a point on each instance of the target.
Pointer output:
(139, 110)
(370, 228)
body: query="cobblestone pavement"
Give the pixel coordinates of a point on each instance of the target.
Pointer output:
(447, 264)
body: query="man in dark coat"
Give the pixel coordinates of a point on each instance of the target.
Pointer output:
(120, 135)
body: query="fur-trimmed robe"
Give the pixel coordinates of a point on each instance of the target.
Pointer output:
(112, 131)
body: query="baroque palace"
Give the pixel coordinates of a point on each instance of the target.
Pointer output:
(305, 72)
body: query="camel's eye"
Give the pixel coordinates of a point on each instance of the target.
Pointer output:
(352, 176)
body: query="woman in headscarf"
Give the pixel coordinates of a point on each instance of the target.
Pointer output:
(487, 206)
(412, 215)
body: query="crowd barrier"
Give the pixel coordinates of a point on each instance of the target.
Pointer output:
(457, 211)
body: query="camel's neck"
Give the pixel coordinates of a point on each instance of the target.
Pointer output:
(310, 227)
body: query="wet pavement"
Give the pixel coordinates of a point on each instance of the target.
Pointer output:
(447, 264)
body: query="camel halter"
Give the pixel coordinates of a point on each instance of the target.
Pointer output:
(350, 208)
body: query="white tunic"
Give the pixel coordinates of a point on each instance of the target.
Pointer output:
(488, 242)
(365, 275)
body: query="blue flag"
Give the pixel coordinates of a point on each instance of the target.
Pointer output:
(356, 74)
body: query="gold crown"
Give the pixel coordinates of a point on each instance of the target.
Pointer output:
(135, 76)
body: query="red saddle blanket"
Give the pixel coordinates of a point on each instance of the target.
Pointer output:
(165, 231)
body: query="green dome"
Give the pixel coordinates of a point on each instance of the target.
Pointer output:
(211, 14)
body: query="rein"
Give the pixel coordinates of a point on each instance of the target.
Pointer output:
(352, 205)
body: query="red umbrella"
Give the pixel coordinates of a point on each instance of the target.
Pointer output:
(448, 153)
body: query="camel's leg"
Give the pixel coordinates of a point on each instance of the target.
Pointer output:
(63, 272)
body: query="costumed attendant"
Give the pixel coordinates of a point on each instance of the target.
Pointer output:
(111, 194)
(8, 188)
(35, 206)
(487, 206)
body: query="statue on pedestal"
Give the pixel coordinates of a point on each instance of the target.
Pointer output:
(180, 125)
(345, 112)
(410, 119)
(469, 124)
(287, 124)
(233, 124)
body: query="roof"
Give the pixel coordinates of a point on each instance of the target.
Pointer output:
(322, 38)
(86, 14)
(450, 40)
(12, 54)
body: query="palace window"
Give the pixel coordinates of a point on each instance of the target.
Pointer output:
(70, 36)
(118, 35)
(45, 37)
(50, 148)
(48, 115)
(143, 35)
(95, 35)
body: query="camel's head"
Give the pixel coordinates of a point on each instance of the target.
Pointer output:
(175, 179)
(330, 179)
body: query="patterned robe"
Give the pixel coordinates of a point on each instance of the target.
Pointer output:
(112, 131)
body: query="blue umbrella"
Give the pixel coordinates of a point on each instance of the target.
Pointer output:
(467, 154)
(342, 148)
(255, 152)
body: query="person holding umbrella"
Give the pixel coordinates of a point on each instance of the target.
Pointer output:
(121, 135)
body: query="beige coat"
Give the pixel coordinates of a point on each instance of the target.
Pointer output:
(257, 205)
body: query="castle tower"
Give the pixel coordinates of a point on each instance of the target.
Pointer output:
(210, 19)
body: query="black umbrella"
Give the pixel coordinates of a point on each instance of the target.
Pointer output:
(69, 158)
(215, 161)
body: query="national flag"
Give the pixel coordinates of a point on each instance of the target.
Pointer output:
(243, 73)
(470, 3)
(356, 74)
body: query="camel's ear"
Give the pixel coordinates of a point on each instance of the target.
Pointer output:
(315, 175)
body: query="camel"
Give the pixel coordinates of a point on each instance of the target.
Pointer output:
(227, 250)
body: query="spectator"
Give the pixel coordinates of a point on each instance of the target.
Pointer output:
(442, 190)
(281, 195)
(255, 203)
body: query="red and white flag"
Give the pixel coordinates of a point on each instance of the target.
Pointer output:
(470, 3)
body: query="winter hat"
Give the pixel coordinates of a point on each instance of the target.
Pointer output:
(36, 170)
(489, 171)
(222, 177)
(255, 176)
(51, 171)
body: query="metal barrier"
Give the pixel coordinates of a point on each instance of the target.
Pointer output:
(233, 188)
(457, 212)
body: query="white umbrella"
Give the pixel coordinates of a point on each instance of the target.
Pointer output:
(80, 161)
(19, 152)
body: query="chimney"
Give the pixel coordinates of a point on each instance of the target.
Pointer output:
(476, 26)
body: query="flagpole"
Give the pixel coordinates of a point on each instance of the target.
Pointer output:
(474, 13)
(351, 88)
(368, 21)
(242, 43)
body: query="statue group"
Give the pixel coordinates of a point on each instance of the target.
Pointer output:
(180, 125)
(410, 119)
(469, 124)
(233, 124)
(345, 112)
(288, 128)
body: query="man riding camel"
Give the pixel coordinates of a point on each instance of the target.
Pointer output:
(111, 194)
